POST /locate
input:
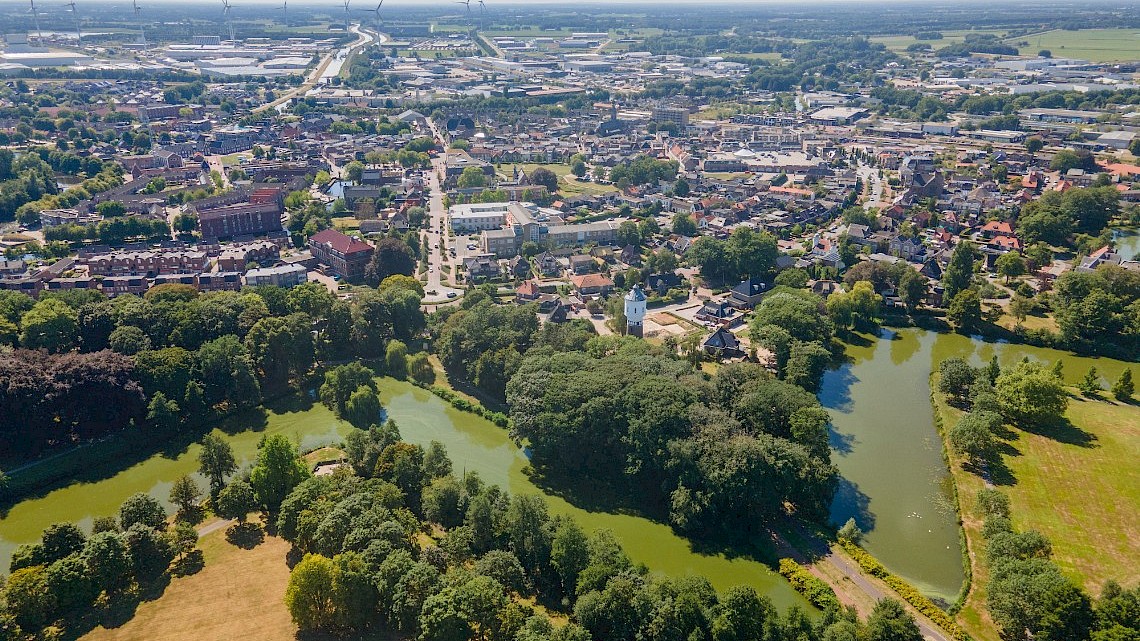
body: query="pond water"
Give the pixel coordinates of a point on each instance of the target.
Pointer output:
(336, 189)
(82, 502)
(473, 444)
(888, 451)
(1127, 243)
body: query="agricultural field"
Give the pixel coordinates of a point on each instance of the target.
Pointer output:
(1096, 45)
(900, 43)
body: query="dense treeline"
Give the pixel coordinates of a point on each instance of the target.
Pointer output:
(401, 544)
(56, 582)
(176, 356)
(729, 453)
(484, 343)
(1030, 598)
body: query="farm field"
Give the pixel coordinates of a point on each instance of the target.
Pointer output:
(1096, 45)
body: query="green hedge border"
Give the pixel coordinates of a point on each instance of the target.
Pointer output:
(463, 405)
(814, 589)
(908, 592)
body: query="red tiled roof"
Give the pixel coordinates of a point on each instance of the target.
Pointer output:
(340, 242)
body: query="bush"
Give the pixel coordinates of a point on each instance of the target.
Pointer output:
(819, 593)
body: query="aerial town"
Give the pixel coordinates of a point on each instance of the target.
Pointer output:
(510, 322)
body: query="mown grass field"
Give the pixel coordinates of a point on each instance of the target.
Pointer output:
(568, 185)
(237, 595)
(1096, 45)
(1079, 487)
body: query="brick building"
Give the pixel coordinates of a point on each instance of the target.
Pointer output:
(345, 255)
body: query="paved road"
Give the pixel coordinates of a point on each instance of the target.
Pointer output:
(214, 526)
(329, 66)
(437, 257)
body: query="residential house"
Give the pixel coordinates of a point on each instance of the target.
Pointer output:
(747, 293)
(592, 284)
(716, 312)
(345, 255)
(481, 268)
(722, 344)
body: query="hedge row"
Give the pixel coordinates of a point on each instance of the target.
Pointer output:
(464, 405)
(819, 593)
(907, 591)
(963, 542)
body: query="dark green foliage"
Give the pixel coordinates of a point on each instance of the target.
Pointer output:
(142, 509)
(728, 459)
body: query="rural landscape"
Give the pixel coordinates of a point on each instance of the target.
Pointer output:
(484, 320)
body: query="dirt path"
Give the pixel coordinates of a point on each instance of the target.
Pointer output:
(214, 526)
(852, 586)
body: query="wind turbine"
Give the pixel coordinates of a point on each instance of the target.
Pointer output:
(229, 20)
(36, 19)
(377, 12)
(75, 12)
(346, 16)
(482, 14)
(285, 9)
(142, 34)
(466, 3)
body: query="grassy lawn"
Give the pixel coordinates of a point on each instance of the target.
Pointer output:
(323, 455)
(239, 594)
(1080, 492)
(345, 223)
(1097, 45)
(568, 185)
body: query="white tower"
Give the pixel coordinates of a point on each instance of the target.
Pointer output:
(635, 311)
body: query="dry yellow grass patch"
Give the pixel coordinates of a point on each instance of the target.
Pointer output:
(239, 594)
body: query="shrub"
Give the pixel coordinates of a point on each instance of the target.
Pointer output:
(819, 593)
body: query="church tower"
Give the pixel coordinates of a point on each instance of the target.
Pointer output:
(635, 312)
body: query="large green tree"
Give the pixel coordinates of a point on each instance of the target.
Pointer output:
(278, 470)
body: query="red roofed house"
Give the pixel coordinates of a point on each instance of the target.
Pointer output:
(347, 256)
(592, 284)
(997, 228)
(1006, 243)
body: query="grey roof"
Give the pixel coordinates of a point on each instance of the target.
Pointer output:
(635, 294)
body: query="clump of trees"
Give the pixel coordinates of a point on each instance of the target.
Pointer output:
(86, 366)
(795, 327)
(366, 565)
(1098, 310)
(56, 582)
(1029, 597)
(1056, 216)
(1027, 395)
(484, 342)
(745, 254)
(729, 453)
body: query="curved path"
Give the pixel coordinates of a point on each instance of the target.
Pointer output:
(329, 66)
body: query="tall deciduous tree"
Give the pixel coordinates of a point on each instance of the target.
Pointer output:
(278, 470)
(216, 461)
(959, 272)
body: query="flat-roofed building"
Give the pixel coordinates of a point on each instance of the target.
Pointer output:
(465, 219)
(279, 276)
(527, 222)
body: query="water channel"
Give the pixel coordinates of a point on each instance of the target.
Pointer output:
(887, 450)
